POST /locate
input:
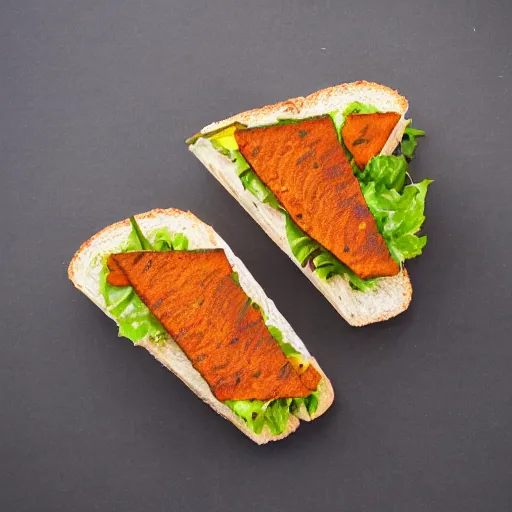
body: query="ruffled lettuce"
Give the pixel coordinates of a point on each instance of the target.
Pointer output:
(136, 322)
(356, 107)
(309, 402)
(398, 210)
(387, 171)
(273, 413)
(133, 317)
(409, 143)
(257, 413)
(327, 265)
(164, 241)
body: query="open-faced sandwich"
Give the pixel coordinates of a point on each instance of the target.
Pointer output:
(174, 287)
(326, 177)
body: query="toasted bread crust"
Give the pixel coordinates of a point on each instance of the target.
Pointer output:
(301, 106)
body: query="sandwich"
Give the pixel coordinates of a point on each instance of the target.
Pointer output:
(174, 287)
(326, 177)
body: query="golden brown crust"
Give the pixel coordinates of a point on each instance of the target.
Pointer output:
(294, 106)
(323, 95)
(152, 214)
(249, 117)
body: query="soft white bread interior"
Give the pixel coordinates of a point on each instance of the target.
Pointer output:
(84, 271)
(391, 295)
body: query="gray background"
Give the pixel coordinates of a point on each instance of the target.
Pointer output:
(96, 99)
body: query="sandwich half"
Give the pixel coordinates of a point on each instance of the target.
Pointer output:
(174, 287)
(326, 177)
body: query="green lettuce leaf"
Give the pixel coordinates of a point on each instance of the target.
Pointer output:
(137, 233)
(179, 242)
(399, 214)
(258, 189)
(257, 413)
(274, 413)
(165, 241)
(236, 279)
(287, 348)
(389, 171)
(338, 119)
(326, 264)
(277, 414)
(357, 107)
(416, 132)
(252, 411)
(132, 315)
(242, 165)
(226, 144)
(310, 402)
(302, 245)
(409, 143)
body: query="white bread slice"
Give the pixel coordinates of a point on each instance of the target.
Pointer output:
(84, 271)
(391, 295)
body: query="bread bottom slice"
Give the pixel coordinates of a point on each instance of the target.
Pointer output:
(84, 271)
(391, 295)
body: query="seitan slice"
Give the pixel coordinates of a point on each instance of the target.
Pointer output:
(306, 168)
(194, 296)
(364, 135)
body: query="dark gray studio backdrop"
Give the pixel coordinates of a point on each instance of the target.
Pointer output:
(96, 99)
